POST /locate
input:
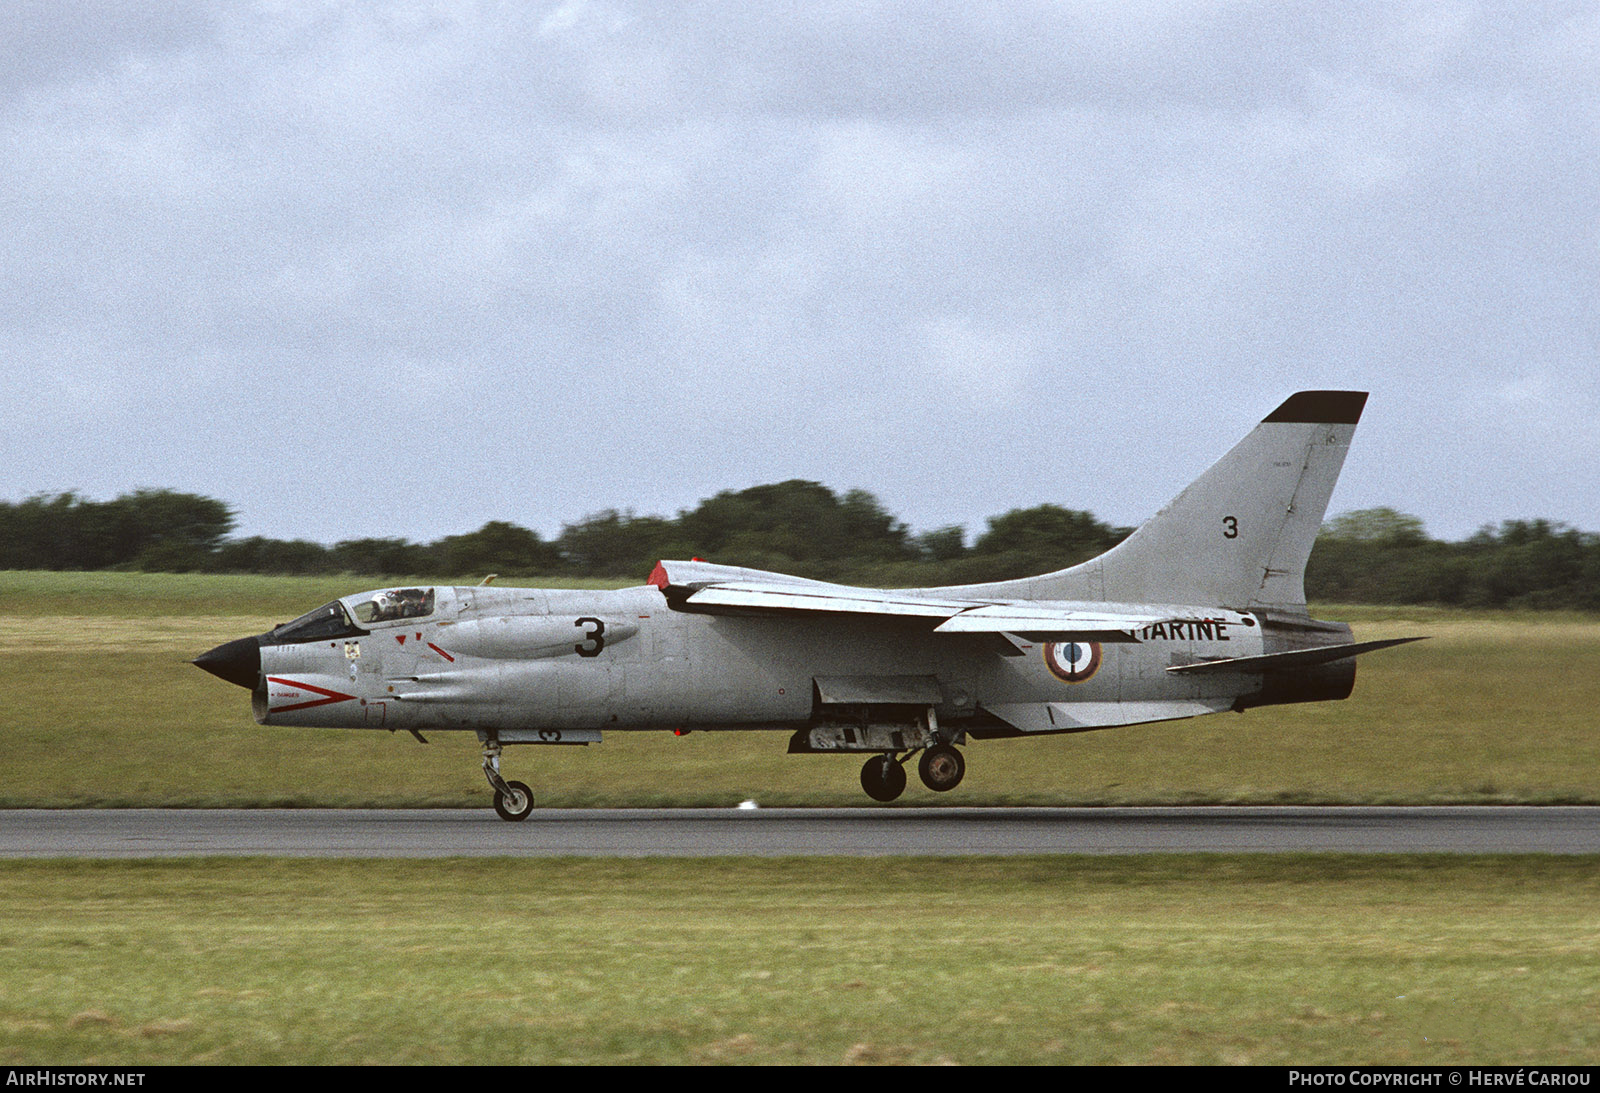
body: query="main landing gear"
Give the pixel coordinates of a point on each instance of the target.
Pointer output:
(883, 778)
(512, 800)
(941, 768)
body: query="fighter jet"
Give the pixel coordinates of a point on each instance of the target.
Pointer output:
(1201, 610)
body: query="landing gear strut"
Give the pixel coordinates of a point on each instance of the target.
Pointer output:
(512, 800)
(883, 777)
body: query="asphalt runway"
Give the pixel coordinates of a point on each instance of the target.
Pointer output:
(864, 832)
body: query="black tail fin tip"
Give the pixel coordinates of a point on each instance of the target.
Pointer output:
(1320, 408)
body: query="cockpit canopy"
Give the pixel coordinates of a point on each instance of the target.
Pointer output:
(395, 603)
(334, 620)
(330, 620)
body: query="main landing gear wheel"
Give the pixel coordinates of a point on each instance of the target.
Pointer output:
(515, 804)
(942, 767)
(883, 778)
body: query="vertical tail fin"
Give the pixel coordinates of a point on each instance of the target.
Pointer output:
(1240, 534)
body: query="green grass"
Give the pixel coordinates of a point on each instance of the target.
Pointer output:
(1426, 960)
(98, 707)
(1206, 959)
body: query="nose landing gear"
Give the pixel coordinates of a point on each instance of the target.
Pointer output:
(512, 800)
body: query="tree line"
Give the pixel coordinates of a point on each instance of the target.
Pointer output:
(1372, 556)
(798, 527)
(1383, 556)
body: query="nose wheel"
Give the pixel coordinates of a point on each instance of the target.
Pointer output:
(512, 800)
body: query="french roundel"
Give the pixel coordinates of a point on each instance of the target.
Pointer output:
(1072, 661)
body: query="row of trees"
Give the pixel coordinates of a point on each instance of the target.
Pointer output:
(1372, 556)
(158, 530)
(1384, 556)
(799, 527)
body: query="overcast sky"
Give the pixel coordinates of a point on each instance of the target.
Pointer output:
(400, 269)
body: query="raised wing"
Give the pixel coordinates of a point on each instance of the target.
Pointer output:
(705, 588)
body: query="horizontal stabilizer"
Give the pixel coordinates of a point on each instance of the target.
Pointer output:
(1297, 658)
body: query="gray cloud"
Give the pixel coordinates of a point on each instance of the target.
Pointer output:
(405, 268)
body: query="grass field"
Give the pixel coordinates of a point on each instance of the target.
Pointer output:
(1209, 959)
(98, 707)
(1193, 959)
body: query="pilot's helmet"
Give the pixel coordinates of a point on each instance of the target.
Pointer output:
(385, 603)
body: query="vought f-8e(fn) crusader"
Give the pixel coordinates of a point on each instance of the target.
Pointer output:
(1200, 610)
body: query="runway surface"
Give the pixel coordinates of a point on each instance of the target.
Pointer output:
(424, 833)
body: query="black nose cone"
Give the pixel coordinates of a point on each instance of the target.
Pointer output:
(235, 661)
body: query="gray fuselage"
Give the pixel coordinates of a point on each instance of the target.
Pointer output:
(507, 658)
